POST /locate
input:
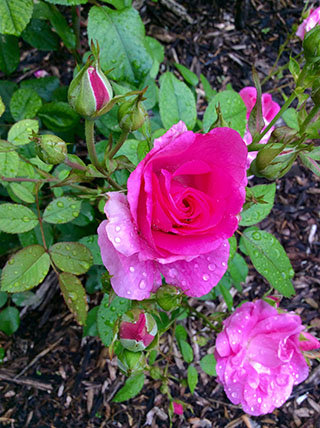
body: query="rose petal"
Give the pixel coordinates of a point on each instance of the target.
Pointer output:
(131, 278)
(198, 276)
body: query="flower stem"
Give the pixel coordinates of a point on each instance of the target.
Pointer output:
(202, 316)
(117, 147)
(308, 119)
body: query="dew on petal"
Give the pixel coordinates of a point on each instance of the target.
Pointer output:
(117, 228)
(117, 240)
(142, 284)
(212, 267)
(205, 277)
(131, 269)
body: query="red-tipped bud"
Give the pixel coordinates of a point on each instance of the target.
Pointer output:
(90, 91)
(137, 330)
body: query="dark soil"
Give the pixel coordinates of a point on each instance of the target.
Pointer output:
(52, 377)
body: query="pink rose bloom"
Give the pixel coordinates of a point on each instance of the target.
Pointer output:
(309, 23)
(259, 356)
(182, 206)
(269, 110)
(177, 408)
(40, 73)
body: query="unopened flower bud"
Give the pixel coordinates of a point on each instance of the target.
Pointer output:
(90, 90)
(311, 45)
(131, 115)
(168, 297)
(137, 330)
(129, 361)
(51, 149)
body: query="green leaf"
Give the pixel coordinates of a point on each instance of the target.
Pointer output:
(290, 116)
(75, 296)
(130, 150)
(67, 2)
(9, 163)
(2, 107)
(188, 75)
(15, 15)
(238, 269)
(176, 102)
(90, 328)
(233, 246)
(156, 51)
(108, 314)
(224, 290)
(16, 218)
(131, 388)
(186, 351)
(22, 192)
(39, 35)
(9, 53)
(71, 257)
(270, 259)
(21, 132)
(121, 37)
(263, 197)
(25, 298)
(181, 333)
(91, 242)
(208, 364)
(209, 92)
(7, 88)
(60, 25)
(233, 111)
(45, 86)
(25, 104)
(62, 210)
(25, 269)
(9, 320)
(192, 378)
(3, 298)
(58, 116)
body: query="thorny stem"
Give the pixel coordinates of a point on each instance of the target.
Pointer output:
(89, 131)
(40, 217)
(117, 147)
(202, 316)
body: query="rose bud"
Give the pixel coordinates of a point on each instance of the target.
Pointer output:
(310, 22)
(131, 115)
(260, 357)
(177, 408)
(90, 90)
(168, 297)
(137, 330)
(51, 149)
(129, 361)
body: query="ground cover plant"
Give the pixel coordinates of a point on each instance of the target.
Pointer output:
(136, 201)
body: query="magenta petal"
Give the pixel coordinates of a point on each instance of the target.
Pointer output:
(309, 343)
(131, 278)
(198, 276)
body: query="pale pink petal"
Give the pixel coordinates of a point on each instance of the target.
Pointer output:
(131, 278)
(198, 276)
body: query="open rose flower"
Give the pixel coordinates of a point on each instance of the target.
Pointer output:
(310, 22)
(259, 356)
(269, 110)
(183, 203)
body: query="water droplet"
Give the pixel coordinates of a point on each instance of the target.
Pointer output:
(223, 264)
(212, 267)
(233, 395)
(284, 275)
(291, 272)
(74, 253)
(142, 284)
(208, 258)
(205, 277)
(112, 309)
(183, 283)
(173, 272)
(196, 265)
(252, 409)
(131, 269)
(26, 219)
(16, 284)
(259, 400)
(117, 240)
(73, 296)
(256, 253)
(73, 207)
(117, 228)
(60, 204)
(75, 213)
(67, 247)
(256, 236)
(128, 292)
(11, 261)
